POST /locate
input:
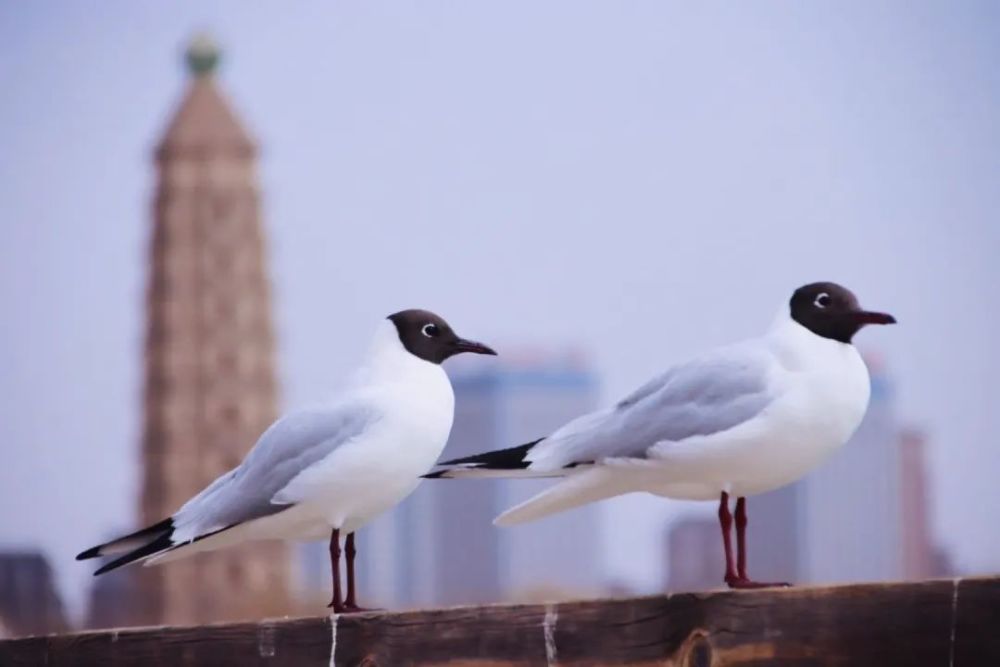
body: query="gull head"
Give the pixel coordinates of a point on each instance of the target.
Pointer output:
(832, 311)
(428, 337)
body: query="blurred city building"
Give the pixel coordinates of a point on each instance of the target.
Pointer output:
(210, 386)
(440, 545)
(694, 554)
(923, 557)
(861, 516)
(29, 601)
(114, 599)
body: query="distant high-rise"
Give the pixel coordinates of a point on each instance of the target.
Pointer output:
(440, 545)
(507, 403)
(694, 555)
(922, 557)
(114, 600)
(210, 387)
(29, 601)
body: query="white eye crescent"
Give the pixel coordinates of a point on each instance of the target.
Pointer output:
(430, 330)
(822, 300)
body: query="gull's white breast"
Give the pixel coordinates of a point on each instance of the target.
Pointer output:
(370, 474)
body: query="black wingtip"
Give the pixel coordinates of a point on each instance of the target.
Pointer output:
(92, 552)
(106, 568)
(161, 543)
(512, 458)
(113, 565)
(153, 532)
(434, 475)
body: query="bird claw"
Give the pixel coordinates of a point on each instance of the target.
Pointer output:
(353, 609)
(342, 608)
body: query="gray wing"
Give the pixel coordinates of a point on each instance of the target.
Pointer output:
(701, 397)
(289, 446)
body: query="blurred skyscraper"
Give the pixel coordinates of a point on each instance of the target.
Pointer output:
(440, 545)
(922, 556)
(694, 554)
(114, 599)
(210, 381)
(29, 602)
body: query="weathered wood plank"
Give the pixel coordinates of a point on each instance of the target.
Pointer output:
(977, 622)
(278, 642)
(490, 633)
(935, 623)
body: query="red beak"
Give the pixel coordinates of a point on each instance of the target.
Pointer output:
(871, 317)
(463, 345)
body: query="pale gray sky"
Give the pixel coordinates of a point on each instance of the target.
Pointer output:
(645, 179)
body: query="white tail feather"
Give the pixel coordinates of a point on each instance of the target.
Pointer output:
(219, 540)
(581, 488)
(123, 545)
(494, 473)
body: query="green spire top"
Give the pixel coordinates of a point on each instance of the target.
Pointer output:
(202, 55)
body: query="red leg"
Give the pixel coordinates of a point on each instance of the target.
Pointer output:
(726, 523)
(335, 603)
(742, 580)
(351, 552)
(741, 537)
(350, 604)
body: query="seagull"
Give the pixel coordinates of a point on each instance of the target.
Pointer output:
(323, 471)
(737, 421)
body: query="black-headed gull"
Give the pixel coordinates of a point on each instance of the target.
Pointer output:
(318, 472)
(738, 421)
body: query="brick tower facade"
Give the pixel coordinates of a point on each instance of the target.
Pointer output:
(210, 386)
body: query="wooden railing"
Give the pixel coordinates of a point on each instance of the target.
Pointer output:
(941, 623)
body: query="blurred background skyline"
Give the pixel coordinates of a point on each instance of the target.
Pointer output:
(641, 182)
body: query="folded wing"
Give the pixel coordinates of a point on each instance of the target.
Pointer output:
(248, 492)
(702, 397)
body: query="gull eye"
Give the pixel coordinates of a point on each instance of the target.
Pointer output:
(822, 300)
(430, 330)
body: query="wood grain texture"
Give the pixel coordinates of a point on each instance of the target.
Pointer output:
(937, 623)
(977, 622)
(277, 642)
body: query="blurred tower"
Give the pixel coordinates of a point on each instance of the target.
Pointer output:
(210, 386)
